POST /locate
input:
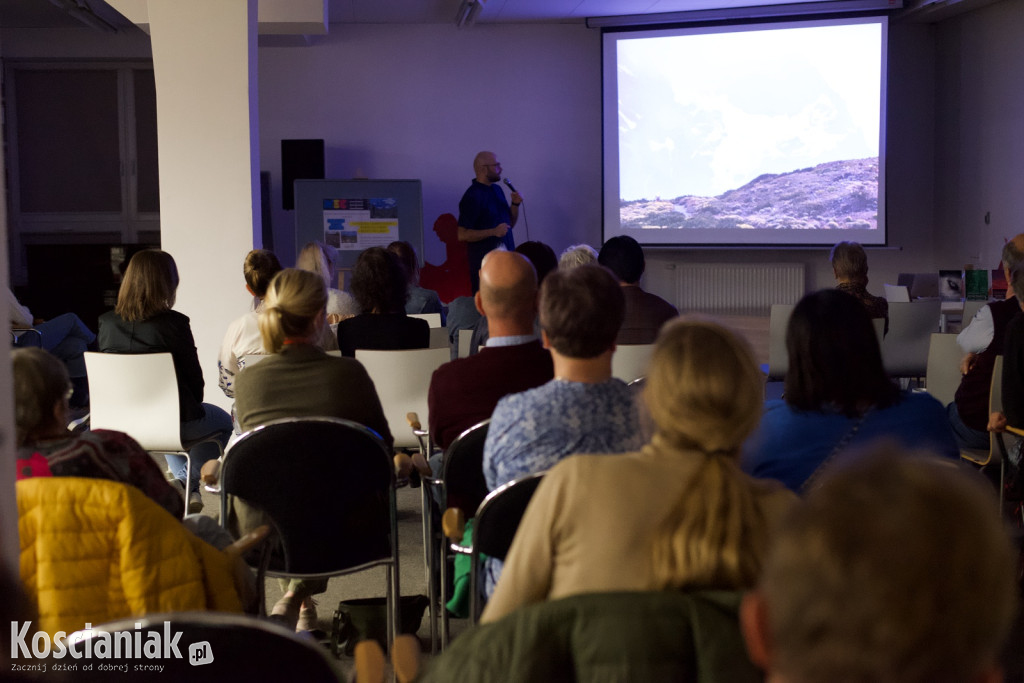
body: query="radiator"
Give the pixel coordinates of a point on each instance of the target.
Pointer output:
(737, 288)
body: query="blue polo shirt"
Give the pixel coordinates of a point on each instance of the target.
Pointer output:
(484, 207)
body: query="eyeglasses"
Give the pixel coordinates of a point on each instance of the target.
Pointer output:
(496, 165)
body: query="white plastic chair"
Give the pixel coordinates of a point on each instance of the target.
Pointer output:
(138, 394)
(629, 362)
(942, 375)
(465, 340)
(438, 337)
(905, 347)
(896, 293)
(778, 356)
(402, 379)
(433, 319)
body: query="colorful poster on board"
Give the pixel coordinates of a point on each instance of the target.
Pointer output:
(354, 224)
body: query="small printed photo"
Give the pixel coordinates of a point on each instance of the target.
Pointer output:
(384, 208)
(347, 237)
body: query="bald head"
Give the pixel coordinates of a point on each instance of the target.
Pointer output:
(487, 167)
(508, 289)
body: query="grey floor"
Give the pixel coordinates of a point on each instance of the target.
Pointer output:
(368, 584)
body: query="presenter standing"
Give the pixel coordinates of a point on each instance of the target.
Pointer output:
(485, 217)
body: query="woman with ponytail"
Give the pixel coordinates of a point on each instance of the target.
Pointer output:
(678, 513)
(299, 379)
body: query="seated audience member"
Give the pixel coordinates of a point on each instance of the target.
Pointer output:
(645, 312)
(1013, 363)
(837, 394)
(41, 389)
(678, 514)
(300, 380)
(65, 336)
(465, 391)
(380, 289)
(420, 300)
(850, 267)
(583, 409)
(243, 335)
(143, 322)
(314, 258)
(543, 259)
(981, 341)
(895, 569)
(577, 255)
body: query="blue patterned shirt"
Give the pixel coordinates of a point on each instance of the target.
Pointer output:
(533, 430)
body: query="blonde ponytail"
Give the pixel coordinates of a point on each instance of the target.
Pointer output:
(716, 536)
(294, 300)
(704, 392)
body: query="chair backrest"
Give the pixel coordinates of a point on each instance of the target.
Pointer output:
(433, 319)
(227, 647)
(778, 357)
(629, 362)
(943, 373)
(402, 379)
(250, 359)
(896, 293)
(498, 516)
(136, 394)
(464, 343)
(464, 483)
(971, 309)
(328, 485)
(439, 337)
(905, 347)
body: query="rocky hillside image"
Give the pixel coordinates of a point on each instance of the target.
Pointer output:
(833, 195)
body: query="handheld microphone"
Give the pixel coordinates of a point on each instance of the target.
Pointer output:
(510, 186)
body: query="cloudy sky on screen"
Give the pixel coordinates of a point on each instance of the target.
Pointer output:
(702, 114)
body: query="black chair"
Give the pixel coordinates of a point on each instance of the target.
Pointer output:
(497, 520)
(462, 487)
(328, 485)
(214, 647)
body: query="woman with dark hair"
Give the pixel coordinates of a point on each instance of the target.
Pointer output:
(420, 300)
(143, 322)
(381, 289)
(836, 395)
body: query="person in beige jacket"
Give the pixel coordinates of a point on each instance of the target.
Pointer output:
(676, 514)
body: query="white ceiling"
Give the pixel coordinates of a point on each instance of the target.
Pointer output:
(46, 13)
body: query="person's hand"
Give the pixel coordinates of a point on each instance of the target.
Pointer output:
(967, 362)
(500, 230)
(517, 198)
(996, 422)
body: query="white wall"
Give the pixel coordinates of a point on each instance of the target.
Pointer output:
(980, 134)
(419, 101)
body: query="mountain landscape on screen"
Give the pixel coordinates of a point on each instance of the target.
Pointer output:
(835, 195)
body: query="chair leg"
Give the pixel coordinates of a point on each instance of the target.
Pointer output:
(430, 553)
(443, 606)
(188, 478)
(474, 588)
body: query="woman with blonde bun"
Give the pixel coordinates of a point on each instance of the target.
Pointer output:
(678, 513)
(299, 379)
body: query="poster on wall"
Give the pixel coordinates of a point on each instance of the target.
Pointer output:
(355, 224)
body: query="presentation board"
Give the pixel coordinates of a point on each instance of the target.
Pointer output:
(353, 215)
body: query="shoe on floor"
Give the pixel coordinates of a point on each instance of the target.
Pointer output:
(286, 610)
(307, 617)
(195, 503)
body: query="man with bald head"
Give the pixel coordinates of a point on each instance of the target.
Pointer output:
(982, 340)
(485, 217)
(465, 391)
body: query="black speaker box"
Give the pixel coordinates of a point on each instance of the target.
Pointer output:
(300, 160)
